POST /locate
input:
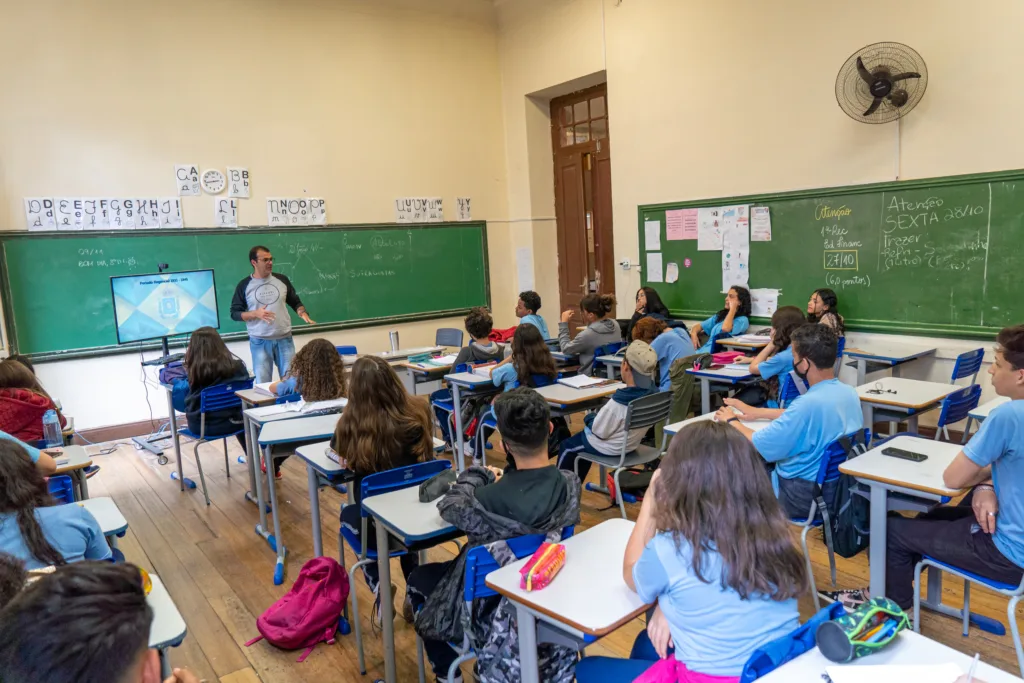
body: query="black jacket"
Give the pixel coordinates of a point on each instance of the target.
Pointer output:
(219, 422)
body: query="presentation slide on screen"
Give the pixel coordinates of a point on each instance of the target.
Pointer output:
(163, 304)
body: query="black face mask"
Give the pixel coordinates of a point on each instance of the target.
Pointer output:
(802, 375)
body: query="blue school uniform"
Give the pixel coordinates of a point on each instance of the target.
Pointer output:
(505, 375)
(536, 321)
(670, 347)
(713, 328)
(777, 365)
(287, 386)
(32, 451)
(70, 529)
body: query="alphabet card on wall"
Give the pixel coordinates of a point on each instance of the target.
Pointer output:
(95, 214)
(298, 211)
(317, 211)
(403, 210)
(186, 176)
(170, 213)
(69, 213)
(225, 212)
(435, 210)
(277, 211)
(419, 209)
(238, 182)
(147, 213)
(122, 214)
(464, 214)
(39, 214)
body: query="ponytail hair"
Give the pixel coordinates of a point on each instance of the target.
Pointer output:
(598, 304)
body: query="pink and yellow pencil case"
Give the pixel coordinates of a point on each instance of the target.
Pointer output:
(543, 566)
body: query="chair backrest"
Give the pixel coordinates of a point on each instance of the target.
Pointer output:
(608, 349)
(346, 350)
(790, 386)
(222, 396)
(448, 336)
(61, 488)
(956, 406)
(648, 410)
(538, 381)
(839, 451)
(968, 364)
(400, 478)
(839, 355)
(480, 563)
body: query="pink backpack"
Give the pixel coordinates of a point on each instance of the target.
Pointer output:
(308, 613)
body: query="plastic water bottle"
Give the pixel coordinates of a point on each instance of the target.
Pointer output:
(51, 429)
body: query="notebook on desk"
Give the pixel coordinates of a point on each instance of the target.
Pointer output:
(584, 382)
(263, 388)
(894, 673)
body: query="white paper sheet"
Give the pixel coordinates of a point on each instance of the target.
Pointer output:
(892, 673)
(654, 271)
(122, 214)
(760, 224)
(524, 268)
(764, 302)
(709, 229)
(735, 271)
(186, 176)
(435, 210)
(147, 213)
(652, 236)
(419, 209)
(225, 212)
(672, 272)
(277, 211)
(735, 227)
(170, 213)
(403, 210)
(465, 212)
(238, 182)
(69, 213)
(94, 214)
(39, 213)
(317, 211)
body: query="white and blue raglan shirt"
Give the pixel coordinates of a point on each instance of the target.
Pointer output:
(275, 293)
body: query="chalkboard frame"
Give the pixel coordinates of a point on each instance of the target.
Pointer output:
(180, 341)
(856, 325)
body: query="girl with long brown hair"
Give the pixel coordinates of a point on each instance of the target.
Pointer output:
(381, 428)
(530, 364)
(23, 402)
(773, 361)
(208, 362)
(711, 545)
(601, 330)
(33, 527)
(317, 372)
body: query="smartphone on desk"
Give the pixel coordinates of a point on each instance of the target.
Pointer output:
(905, 455)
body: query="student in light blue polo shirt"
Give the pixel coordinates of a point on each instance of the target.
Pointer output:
(43, 462)
(984, 535)
(775, 360)
(666, 342)
(526, 311)
(796, 439)
(732, 320)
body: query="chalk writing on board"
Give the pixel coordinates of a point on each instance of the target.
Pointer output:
(379, 242)
(300, 249)
(841, 259)
(837, 281)
(909, 235)
(840, 251)
(130, 262)
(824, 211)
(370, 272)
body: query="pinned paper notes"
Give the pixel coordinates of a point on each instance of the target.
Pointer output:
(654, 271)
(652, 236)
(681, 224)
(764, 302)
(760, 224)
(709, 229)
(672, 272)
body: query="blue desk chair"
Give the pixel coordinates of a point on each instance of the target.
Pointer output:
(489, 422)
(480, 563)
(212, 399)
(968, 364)
(790, 387)
(839, 355)
(448, 336)
(836, 453)
(956, 407)
(346, 350)
(375, 485)
(62, 489)
(442, 403)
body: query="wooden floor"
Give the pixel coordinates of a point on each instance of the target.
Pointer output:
(220, 573)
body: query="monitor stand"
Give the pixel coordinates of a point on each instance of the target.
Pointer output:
(147, 441)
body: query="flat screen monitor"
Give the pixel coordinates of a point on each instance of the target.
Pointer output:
(163, 304)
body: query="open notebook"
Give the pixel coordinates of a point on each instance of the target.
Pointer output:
(894, 673)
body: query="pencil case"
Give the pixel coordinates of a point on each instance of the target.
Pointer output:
(725, 357)
(543, 566)
(862, 632)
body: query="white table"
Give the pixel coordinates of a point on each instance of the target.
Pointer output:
(912, 396)
(472, 384)
(908, 649)
(740, 344)
(612, 363)
(723, 376)
(108, 516)
(586, 601)
(565, 397)
(676, 427)
(276, 433)
(251, 398)
(886, 356)
(402, 515)
(168, 628)
(72, 461)
(402, 354)
(982, 412)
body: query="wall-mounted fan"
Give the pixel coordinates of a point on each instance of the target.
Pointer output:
(881, 82)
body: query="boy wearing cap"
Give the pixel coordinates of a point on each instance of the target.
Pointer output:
(605, 431)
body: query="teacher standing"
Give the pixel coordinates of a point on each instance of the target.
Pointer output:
(260, 302)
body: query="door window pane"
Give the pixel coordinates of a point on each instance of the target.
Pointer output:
(566, 115)
(582, 133)
(599, 128)
(597, 107)
(567, 136)
(580, 112)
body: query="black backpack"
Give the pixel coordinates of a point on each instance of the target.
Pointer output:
(852, 523)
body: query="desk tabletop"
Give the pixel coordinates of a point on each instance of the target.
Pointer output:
(610, 359)
(107, 515)
(910, 393)
(401, 354)
(983, 411)
(563, 357)
(907, 649)
(280, 411)
(255, 398)
(168, 628)
(746, 344)
(593, 567)
(301, 429)
(406, 517)
(76, 458)
(730, 375)
(890, 353)
(560, 394)
(676, 427)
(316, 455)
(470, 380)
(923, 476)
(426, 368)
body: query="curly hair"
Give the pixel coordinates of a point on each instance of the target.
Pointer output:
(784, 321)
(531, 356)
(743, 294)
(479, 323)
(647, 329)
(712, 495)
(320, 371)
(830, 316)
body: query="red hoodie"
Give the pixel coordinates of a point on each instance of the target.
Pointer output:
(21, 413)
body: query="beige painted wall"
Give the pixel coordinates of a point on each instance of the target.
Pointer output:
(357, 101)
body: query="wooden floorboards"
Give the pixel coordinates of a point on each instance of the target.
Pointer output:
(220, 573)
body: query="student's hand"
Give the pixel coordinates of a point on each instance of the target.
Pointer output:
(263, 314)
(734, 305)
(743, 409)
(640, 305)
(745, 360)
(724, 414)
(986, 508)
(659, 633)
(496, 472)
(182, 676)
(568, 315)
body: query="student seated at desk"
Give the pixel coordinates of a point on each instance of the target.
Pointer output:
(712, 547)
(32, 527)
(823, 308)
(526, 311)
(600, 330)
(23, 402)
(43, 460)
(671, 344)
(774, 361)
(84, 622)
(732, 320)
(208, 363)
(984, 535)
(534, 498)
(480, 349)
(796, 440)
(317, 373)
(381, 428)
(605, 431)
(648, 304)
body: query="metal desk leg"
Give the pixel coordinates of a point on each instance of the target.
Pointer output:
(314, 509)
(250, 457)
(912, 423)
(275, 513)
(869, 419)
(862, 371)
(261, 524)
(609, 370)
(165, 664)
(460, 461)
(896, 370)
(705, 396)
(83, 483)
(528, 664)
(876, 553)
(387, 610)
(174, 438)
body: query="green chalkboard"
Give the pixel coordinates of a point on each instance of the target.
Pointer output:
(57, 285)
(940, 256)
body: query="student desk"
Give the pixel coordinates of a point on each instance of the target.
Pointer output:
(108, 516)
(587, 600)
(422, 374)
(567, 400)
(612, 364)
(911, 396)
(471, 384)
(402, 354)
(898, 484)
(73, 461)
(277, 433)
(725, 376)
(982, 412)
(676, 427)
(168, 628)
(881, 356)
(402, 515)
(745, 345)
(251, 398)
(908, 649)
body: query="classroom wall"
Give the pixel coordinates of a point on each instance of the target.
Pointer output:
(356, 101)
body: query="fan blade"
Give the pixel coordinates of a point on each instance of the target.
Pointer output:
(864, 73)
(873, 107)
(903, 76)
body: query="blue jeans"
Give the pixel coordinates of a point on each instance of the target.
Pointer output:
(613, 670)
(266, 353)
